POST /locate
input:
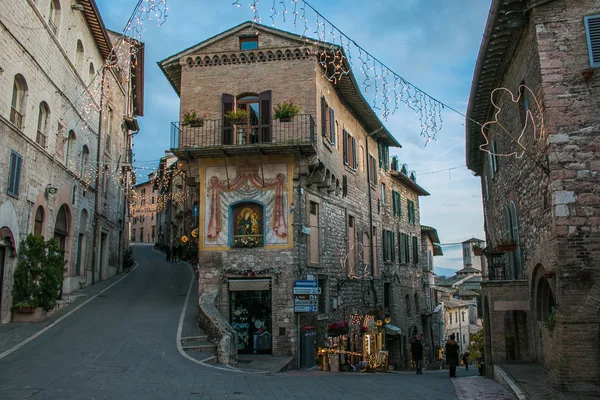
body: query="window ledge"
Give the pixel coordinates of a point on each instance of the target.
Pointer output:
(350, 169)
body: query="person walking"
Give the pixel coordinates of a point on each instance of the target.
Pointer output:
(168, 253)
(465, 359)
(416, 348)
(179, 253)
(173, 252)
(452, 355)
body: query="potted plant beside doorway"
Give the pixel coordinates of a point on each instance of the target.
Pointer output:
(38, 278)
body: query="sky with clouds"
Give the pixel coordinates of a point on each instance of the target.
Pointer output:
(432, 44)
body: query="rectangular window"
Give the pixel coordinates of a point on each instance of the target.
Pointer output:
(397, 205)
(344, 186)
(592, 32)
(372, 170)
(314, 232)
(404, 247)
(249, 42)
(415, 245)
(384, 155)
(388, 242)
(383, 193)
(14, 174)
(349, 150)
(351, 237)
(411, 211)
(328, 122)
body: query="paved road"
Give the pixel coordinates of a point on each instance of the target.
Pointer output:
(123, 346)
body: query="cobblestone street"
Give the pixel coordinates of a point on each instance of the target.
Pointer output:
(122, 344)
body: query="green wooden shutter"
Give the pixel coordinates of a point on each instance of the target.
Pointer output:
(331, 126)
(323, 116)
(228, 102)
(345, 147)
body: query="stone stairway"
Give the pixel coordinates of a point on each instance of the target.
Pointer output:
(200, 348)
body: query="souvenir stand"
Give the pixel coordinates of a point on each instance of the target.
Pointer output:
(358, 345)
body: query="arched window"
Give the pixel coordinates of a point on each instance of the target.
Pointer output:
(70, 153)
(85, 154)
(92, 73)
(42, 134)
(39, 221)
(545, 300)
(19, 101)
(248, 225)
(61, 227)
(79, 57)
(54, 16)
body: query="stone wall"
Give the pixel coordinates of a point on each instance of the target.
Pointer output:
(553, 188)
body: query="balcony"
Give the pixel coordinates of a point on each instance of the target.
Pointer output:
(217, 138)
(41, 139)
(16, 118)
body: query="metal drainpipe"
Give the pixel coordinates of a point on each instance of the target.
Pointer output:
(99, 165)
(371, 251)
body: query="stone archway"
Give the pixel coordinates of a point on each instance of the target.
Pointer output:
(9, 236)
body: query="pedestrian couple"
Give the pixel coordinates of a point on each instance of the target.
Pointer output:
(174, 252)
(416, 349)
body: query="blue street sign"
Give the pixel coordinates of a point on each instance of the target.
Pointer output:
(195, 211)
(305, 309)
(307, 290)
(305, 284)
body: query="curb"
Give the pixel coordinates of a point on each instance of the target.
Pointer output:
(508, 382)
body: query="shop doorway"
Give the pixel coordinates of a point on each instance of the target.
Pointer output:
(250, 316)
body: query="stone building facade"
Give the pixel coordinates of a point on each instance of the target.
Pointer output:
(283, 201)
(541, 299)
(143, 212)
(63, 147)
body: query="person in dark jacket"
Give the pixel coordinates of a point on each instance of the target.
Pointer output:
(416, 348)
(452, 351)
(168, 253)
(465, 359)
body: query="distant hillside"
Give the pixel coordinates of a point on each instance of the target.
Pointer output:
(439, 271)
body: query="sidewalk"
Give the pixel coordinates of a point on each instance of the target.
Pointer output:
(15, 332)
(531, 382)
(478, 388)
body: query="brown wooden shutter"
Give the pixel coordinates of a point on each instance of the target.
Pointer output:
(353, 153)
(265, 116)
(323, 116)
(345, 147)
(331, 126)
(228, 104)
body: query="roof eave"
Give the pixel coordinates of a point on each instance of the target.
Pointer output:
(94, 20)
(409, 182)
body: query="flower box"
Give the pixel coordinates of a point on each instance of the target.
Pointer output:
(506, 246)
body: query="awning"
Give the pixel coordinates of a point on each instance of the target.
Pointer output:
(392, 330)
(241, 285)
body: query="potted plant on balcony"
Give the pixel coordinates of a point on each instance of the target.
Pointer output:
(238, 116)
(506, 245)
(285, 111)
(191, 118)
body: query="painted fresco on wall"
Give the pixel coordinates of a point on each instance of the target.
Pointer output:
(266, 201)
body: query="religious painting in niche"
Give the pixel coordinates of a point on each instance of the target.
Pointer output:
(248, 225)
(267, 187)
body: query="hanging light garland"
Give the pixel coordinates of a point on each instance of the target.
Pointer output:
(386, 89)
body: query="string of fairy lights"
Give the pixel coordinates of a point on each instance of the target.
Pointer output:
(86, 101)
(338, 55)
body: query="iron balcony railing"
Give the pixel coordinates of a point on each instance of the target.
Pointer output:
(214, 133)
(16, 118)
